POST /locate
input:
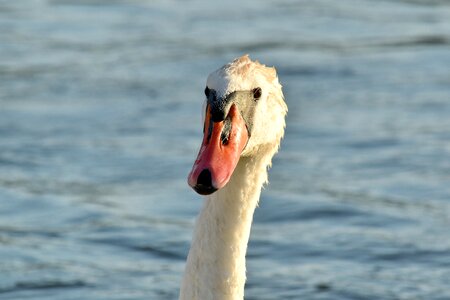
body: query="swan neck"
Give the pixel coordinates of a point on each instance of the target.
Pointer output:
(215, 267)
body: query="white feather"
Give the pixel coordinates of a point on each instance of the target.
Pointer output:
(215, 267)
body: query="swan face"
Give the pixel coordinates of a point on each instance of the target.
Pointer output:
(244, 115)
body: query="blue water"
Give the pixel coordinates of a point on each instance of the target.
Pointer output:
(100, 105)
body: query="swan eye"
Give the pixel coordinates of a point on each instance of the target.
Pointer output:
(257, 93)
(210, 94)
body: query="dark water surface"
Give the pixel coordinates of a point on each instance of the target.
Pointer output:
(100, 123)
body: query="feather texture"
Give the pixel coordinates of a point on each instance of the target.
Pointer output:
(215, 267)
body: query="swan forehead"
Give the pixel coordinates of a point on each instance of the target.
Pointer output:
(225, 83)
(240, 75)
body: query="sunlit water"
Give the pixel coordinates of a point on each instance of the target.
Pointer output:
(100, 105)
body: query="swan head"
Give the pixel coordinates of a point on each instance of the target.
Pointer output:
(244, 116)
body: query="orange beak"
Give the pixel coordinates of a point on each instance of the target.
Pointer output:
(218, 157)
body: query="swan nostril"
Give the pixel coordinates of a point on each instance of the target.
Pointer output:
(226, 131)
(204, 183)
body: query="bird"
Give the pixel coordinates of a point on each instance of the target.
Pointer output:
(244, 121)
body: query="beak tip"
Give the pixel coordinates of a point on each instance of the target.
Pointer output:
(204, 190)
(203, 184)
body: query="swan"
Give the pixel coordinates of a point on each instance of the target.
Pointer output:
(244, 121)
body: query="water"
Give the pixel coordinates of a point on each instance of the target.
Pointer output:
(100, 123)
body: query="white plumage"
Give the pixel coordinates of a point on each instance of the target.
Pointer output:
(215, 267)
